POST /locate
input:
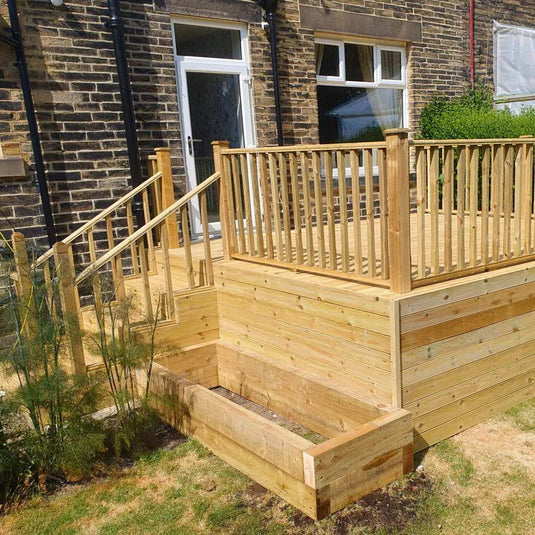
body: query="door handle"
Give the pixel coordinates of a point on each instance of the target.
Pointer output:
(190, 144)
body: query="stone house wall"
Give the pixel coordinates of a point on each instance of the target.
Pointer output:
(73, 75)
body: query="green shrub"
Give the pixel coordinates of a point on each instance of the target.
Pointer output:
(473, 116)
(46, 433)
(131, 430)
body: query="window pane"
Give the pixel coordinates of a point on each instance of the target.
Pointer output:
(207, 42)
(390, 65)
(359, 63)
(327, 60)
(358, 114)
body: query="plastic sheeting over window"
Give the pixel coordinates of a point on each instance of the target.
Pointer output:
(514, 57)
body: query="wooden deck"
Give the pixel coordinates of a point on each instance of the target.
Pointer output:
(409, 322)
(427, 258)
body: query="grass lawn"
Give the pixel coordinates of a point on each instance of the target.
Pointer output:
(479, 482)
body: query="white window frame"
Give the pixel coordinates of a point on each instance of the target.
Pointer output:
(378, 81)
(341, 81)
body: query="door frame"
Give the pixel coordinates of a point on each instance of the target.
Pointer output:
(239, 67)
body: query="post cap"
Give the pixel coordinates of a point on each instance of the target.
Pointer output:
(162, 149)
(396, 131)
(222, 143)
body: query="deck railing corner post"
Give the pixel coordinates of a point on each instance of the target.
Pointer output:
(397, 165)
(163, 159)
(224, 211)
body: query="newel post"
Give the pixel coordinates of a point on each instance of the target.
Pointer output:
(224, 204)
(163, 159)
(397, 180)
(69, 307)
(23, 281)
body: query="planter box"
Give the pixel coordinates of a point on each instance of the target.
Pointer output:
(358, 457)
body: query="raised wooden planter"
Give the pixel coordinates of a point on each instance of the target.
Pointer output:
(317, 479)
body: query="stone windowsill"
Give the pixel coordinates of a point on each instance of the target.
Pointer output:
(11, 168)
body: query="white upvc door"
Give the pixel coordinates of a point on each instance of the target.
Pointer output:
(215, 105)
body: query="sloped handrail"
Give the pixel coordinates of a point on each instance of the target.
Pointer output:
(100, 216)
(160, 218)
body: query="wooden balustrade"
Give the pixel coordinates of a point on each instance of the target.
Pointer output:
(474, 207)
(316, 208)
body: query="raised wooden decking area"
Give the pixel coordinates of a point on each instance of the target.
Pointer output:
(336, 297)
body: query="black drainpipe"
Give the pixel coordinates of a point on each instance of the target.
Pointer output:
(115, 25)
(270, 6)
(16, 42)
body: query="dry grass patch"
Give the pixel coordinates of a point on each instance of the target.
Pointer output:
(479, 482)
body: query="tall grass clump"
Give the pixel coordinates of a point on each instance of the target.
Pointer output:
(46, 435)
(127, 352)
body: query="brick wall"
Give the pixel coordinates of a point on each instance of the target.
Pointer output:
(72, 70)
(73, 74)
(437, 64)
(297, 73)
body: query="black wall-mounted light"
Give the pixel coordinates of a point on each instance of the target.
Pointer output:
(270, 7)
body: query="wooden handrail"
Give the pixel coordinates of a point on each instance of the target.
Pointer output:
(307, 148)
(102, 215)
(112, 253)
(456, 142)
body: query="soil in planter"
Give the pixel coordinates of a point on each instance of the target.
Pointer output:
(268, 414)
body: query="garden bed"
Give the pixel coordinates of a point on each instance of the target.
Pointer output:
(367, 446)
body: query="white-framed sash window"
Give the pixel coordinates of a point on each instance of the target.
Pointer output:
(362, 89)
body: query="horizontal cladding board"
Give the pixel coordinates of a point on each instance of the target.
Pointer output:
(336, 329)
(373, 300)
(184, 362)
(376, 392)
(186, 336)
(459, 290)
(299, 341)
(346, 22)
(465, 324)
(457, 383)
(480, 303)
(468, 419)
(324, 309)
(456, 360)
(426, 353)
(474, 401)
